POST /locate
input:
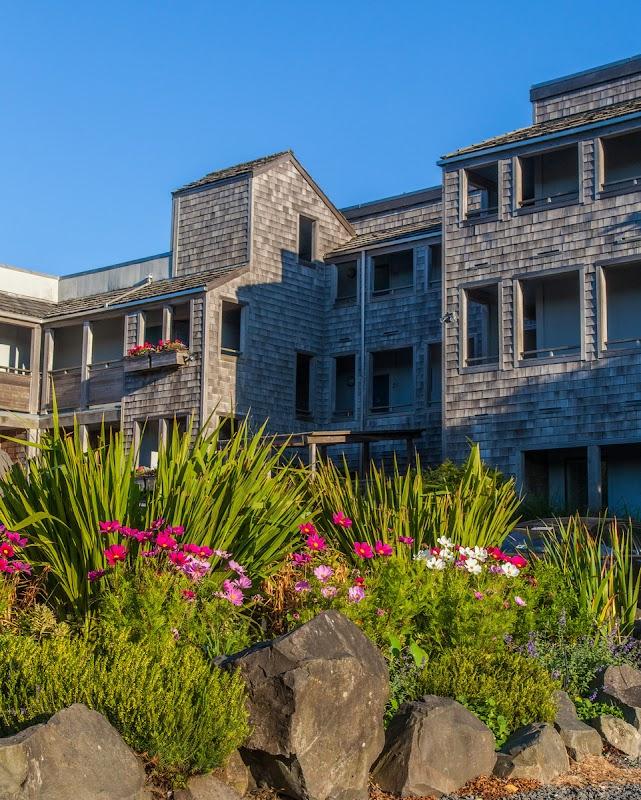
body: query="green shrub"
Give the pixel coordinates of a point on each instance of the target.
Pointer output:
(167, 704)
(587, 709)
(495, 684)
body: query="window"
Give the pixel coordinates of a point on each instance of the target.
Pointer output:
(393, 272)
(107, 340)
(149, 443)
(622, 311)
(15, 348)
(550, 323)
(434, 373)
(392, 380)
(346, 281)
(306, 235)
(621, 161)
(180, 323)
(481, 326)
(551, 177)
(345, 383)
(231, 338)
(559, 478)
(227, 427)
(153, 326)
(482, 191)
(622, 478)
(303, 385)
(435, 255)
(67, 347)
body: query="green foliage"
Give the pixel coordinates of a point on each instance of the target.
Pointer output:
(473, 505)
(506, 688)
(488, 712)
(587, 709)
(600, 568)
(167, 703)
(405, 682)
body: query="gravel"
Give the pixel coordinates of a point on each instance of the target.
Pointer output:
(611, 792)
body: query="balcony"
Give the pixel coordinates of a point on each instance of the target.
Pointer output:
(106, 382)
(622, 298)
(550, 321)
(621, 163)
(549, 179)
(15, 388)
(65, 383)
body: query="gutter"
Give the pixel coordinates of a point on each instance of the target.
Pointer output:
(386, 243)
(443, 162)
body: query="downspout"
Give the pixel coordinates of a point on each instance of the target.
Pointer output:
(363, 376)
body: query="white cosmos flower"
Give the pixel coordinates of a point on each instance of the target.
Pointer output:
(435, 563)
(480, 554)
(445, 542)
(447, 555)
(510, 570)
(472, 566)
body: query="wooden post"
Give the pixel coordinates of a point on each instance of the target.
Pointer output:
(365, 459)
(47, 364)
(87, 348)
(34, 361)
(313, 456)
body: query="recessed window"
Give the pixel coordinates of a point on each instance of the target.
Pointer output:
(435, 256)
(231, 329)
(346, 281)
(306, 235)
(393, 272)
(303, 385)
(550, 324)
(481, 326)
(152, 331)
(622, 310)
(621, 161)
(345, 384)
(392, 380)
(180, 323)
(107, 340)
(15, 348)
(149, 444)
(434, 364)
(549, 178)
(482, 191)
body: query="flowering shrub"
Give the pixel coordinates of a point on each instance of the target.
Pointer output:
(12, 561)
(162, 346)
(141, 350)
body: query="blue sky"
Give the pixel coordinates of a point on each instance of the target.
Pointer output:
(107, 107)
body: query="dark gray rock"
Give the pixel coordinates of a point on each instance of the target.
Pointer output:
(580, 739)
(536, 752)
(77, 755)
(316, 702)
(432, 746)
(206, 787)
(619, 733)
(622, 686)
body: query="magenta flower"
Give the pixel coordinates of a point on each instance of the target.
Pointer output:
(205, 552)
(195, 568)
(236, 567)
(243, 582)
(233, 593)
(478, 595)
(189, 595)
(329, 592)
(150, 553)
(177, 530)
(519, 601)
(6, 566)
(95, 575)
(363, 550)
(115, 553)
(301, 586)
(165, 541)
(178, 558)
(355, 594)
(111, 526)
(323, 573)
(222, 554)
(15, 538)
(406, 540)
(300, 558)
(315, 542)
(157, 524)
(518, 561)
(22, 566)
(340, 519)
(383, 549)
(6, 550)
(190, 547)
(307, 528)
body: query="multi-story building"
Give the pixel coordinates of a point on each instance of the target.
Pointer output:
(525, 264)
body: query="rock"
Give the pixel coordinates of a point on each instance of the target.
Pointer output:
(580, 739)
(316, 702)
(433, 746)
(76, 755)
(236, 774)
(620, 734)
(622, 686)
(206, 787)
(536, 752)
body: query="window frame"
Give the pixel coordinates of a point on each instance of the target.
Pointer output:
(432, 284)
(492, 214)
(336, 414)
(517, 180)
(432, 405)
(493, 366)
(602, 307)
(301, 260)
(382, 294)
(408, 408)
(601, 191)
(229, 353)
(346, 301)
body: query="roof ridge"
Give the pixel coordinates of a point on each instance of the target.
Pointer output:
(233, 170)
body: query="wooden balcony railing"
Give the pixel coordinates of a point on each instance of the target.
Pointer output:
(106, 382)
(66, 384)
(15, 388)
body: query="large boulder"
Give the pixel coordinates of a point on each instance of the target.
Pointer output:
(206, 787)
(580, 739)
(622, 686)
(535, 752)
(317, 697)
(433, 746)
(76, 755)
(619, 734)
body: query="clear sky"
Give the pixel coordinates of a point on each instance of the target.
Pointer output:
(107, 107)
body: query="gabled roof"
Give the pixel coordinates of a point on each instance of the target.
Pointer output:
(231, 172)
(389, 235)
(572, 121)
(118, 298)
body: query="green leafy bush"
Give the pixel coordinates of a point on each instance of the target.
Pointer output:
(167, 703)
(587, 709)
(506, 688)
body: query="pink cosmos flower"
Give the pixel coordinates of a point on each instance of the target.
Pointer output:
(157, 524)
(177, 530)
(190, 547)
(355, 594)
(189, 595)
(195, 568)
(315, 542)
(150, 553)
(519, 601)
(22, 566)
(323, 573)
(115, 553)
(307, 528)
(383, 549)
(478, 595)
(380, 612)
(95, 575)
(6, 566)
(243, 582)
(178, 558)
(6, 550)
(301, 586)
(406, 540)
(300, 558)
(222, 554)
(236, 567)
(363, 550)
(111, 526)
(518, 561)
(205, 552)
(340, 519)
(329, 592)
(165, 541)
(15, 538)
(359, 581)
(233, 593)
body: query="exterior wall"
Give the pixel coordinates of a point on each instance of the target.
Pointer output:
(429, 213)
(589, 399)
(603, 94)
(118, 276)
(211, 226)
